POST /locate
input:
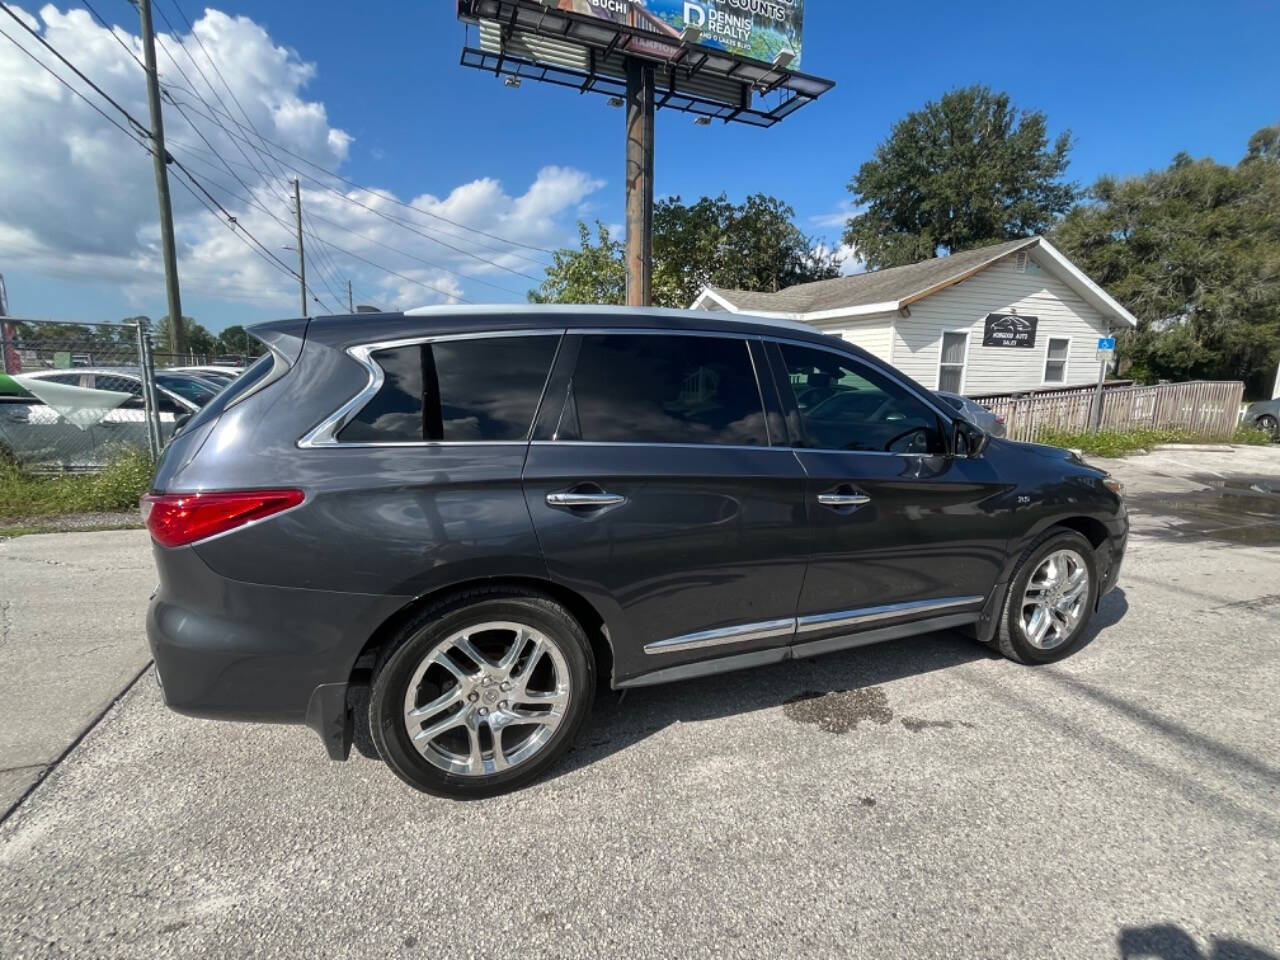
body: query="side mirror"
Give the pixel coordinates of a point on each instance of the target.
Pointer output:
(968, 440)
(180, 422)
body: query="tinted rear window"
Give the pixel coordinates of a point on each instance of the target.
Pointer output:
(654, 388)
(478, 390)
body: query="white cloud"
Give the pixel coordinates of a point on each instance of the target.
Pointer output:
(836, 218)
(77, 199)
(850, 261)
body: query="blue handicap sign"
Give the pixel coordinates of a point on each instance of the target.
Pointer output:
(1106, 343)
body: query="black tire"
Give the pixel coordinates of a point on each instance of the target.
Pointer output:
(1011, 636)
(401, 659)
(1270, 426)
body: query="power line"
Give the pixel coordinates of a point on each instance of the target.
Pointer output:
(141, 131)
(132, 135)
(323, 259)
(405, 253)
(402, 203)
(355, 256)
(407, 225)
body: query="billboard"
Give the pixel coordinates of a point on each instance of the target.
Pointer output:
(759, 29)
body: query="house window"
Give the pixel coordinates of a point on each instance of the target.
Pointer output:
(1055, 364)
(951, 368)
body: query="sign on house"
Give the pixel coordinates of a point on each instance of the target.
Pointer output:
(1009, 330)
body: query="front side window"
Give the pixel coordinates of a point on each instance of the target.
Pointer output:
(951, 369)
(475, 390)
(657, 388)
(846, 405)
(1055, 364)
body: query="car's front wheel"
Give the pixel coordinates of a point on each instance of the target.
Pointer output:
(1270, 426)
(480, 694)
(1050, 600)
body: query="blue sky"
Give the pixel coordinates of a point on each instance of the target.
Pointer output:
(1135, 83)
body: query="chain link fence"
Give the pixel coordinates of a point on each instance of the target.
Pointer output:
(73, 397)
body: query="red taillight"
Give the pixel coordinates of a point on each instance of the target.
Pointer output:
(999, 419)
(176, 519)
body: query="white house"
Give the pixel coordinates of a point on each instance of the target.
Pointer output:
(1014, 316)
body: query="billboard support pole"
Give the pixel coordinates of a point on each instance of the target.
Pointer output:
(639, 180)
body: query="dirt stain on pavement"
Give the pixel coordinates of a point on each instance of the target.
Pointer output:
(916, 724)
(841, 710)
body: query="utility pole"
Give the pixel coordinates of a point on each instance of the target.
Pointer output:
(351, 304)
(302, 260)
(177, 329)
(639, 182)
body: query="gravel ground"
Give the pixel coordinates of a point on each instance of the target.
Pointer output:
(917, 799)
(68, 522)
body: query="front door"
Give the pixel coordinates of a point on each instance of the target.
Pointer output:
(900, 531)
(657, 495)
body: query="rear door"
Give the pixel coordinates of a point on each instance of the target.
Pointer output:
(900, 530)
(656, 492)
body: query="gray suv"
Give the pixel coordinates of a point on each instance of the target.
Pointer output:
(474, 513)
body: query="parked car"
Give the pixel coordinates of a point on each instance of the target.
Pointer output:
(475, 512)
(1265, 416)
(36, 433)
(974, 412)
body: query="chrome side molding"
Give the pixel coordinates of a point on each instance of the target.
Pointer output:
(857, 618)
(736, 634)
(798, 626)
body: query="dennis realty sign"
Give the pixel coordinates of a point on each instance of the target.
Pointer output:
(1009, 330)
(759, 29)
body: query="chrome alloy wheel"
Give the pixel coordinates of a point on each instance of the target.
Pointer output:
(1055, 598)
(487, 698)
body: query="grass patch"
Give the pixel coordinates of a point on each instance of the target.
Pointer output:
(1251, 436)
(1110, 443)
(25, 495)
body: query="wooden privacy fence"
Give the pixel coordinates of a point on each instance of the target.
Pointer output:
(1206, 409)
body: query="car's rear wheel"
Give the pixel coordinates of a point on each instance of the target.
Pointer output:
(1270, 426)
(1050, 600)
(480, 694)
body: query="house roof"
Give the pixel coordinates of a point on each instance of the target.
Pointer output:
(884, 291)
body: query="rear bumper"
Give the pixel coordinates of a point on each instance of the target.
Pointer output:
(230, 650)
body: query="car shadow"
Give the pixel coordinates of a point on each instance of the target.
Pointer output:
(1166, 941)
(619, 721)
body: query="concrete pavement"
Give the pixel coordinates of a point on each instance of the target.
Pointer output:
(71, 639)
(916, 799)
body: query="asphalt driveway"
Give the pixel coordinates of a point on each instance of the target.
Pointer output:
(917, 799)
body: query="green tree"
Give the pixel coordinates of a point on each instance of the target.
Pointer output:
(754, 245)
(967, 170)
(200, 342)
(1193, 252)
(594, 273)
(750, 246)
(236, 340)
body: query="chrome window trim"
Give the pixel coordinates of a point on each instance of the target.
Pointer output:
(325, 433)
(675, 446)
(662, 332)
(713, 638)
(849, 618)
(930, 402)
(798, 626)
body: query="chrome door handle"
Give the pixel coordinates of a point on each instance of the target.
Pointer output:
(585, 499)
(843, 499)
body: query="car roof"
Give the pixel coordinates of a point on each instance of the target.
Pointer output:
(349, 330)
